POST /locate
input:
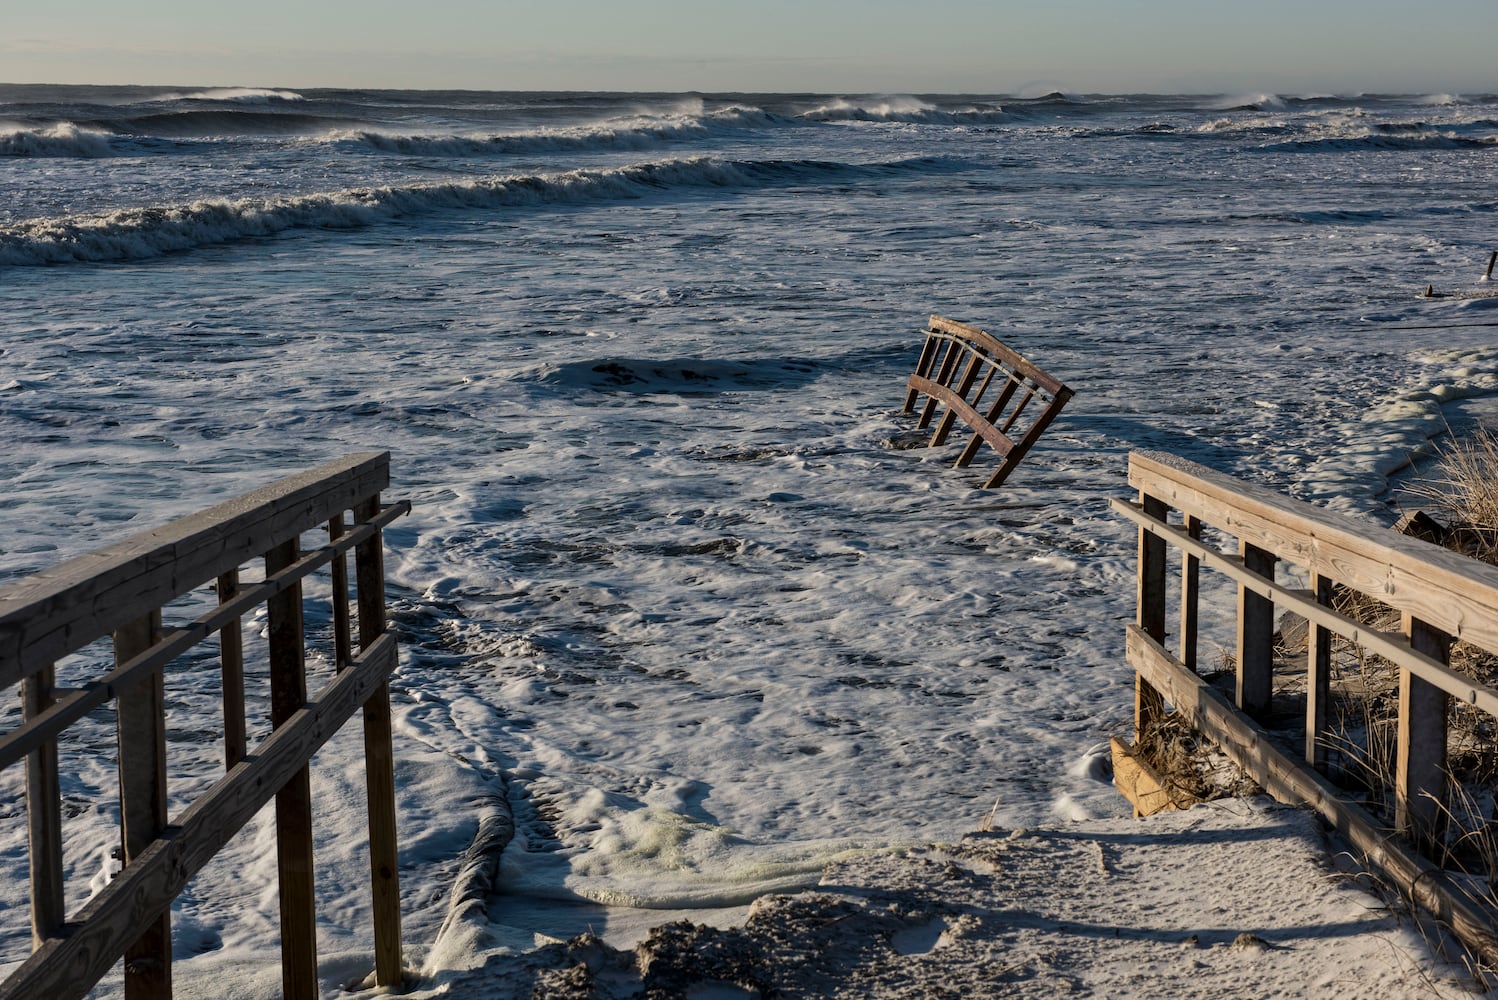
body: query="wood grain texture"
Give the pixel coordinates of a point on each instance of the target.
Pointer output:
(1289, 781)
(69, 963)
(59, 610)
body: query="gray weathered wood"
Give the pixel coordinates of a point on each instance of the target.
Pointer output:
(231, 667)
(1451, 592)
(1318, 677)
(141, 721)
(1255, 636)
(288, 695)
(59, 610)
(1149, 709)
(1191, 573)
(1390, 645)
(343, 647)
(43, 815)
(1291, 782)
(69, 964)
(1420, 770)
(379, 765)
(79, 702)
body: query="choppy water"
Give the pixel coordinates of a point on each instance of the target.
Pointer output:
(638, 359)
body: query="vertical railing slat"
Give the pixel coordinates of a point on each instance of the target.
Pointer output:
(231, 665)
(1318, 678)
(1191, 573)
(288, 685)
(343, 648)
(1420, 770)
(43, 815)
(1149, 706)
(379, 762)
(141, 723)
(1255, 637)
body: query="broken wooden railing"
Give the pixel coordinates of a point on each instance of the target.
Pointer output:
(121, 590)
(958, 368)
(1439, 594)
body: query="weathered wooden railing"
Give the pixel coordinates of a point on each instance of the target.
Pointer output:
(958, 366)
(121, 590)
(1440, 595)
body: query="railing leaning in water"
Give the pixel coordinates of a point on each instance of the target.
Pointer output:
(1441, 596)
(120, 590)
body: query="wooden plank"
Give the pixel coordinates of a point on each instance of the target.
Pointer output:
(78, 703)
(59, 610)
(1145, 789)
(231, 664)
(922, 368)
(1451, 592)
(43, 816)
(70, 963)
(288, 695)
(1011, 383)
(1022, 448)
(1255, 636)
(954, 350)
(1318, 677)
(343, 647)
(1291, 782)
(964, 386)
(997, 349)
(1149, 709)
(1000, 442)
(141, 722)
(379, 765)
(1391, 645)
(1420, 771)
(1191, 574)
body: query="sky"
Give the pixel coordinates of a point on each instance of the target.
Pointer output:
(829, 46)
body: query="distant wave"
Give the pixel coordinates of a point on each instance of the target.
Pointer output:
(908, 110)
(631, 134)
(61, 140)
(238, 95)
(142, 233)
(220, 121)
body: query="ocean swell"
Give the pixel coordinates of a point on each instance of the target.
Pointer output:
(61, 140)
(142, 233)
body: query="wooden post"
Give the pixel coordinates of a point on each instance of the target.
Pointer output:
(141, 723)
(1255, 637)
(231, 661)
(943, 377)
(43, 815)
(288, 692)
(922, 367)
(379, 762)
(1149, 707)
(1420, 772)
(1318, 677)
(1191, 573)
(1492, 259)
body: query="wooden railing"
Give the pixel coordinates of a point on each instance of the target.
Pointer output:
(958, 366)
(121, 591)
(1439, 594)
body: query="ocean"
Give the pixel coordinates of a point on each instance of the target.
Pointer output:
(669, 592)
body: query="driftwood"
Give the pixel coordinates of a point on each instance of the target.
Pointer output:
(1003, 398)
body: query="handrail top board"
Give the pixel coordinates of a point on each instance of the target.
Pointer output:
(1445, 589)
(997, 349)
(58, 610)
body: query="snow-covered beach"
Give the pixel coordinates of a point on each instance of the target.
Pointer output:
(667, 595)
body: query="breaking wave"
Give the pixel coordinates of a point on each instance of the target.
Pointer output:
(631, 134)
(61, 140)
(141, 233)
(238, 95)
(907, 110)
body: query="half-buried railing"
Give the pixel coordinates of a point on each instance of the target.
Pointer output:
(1438, 595)
(120, 591)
